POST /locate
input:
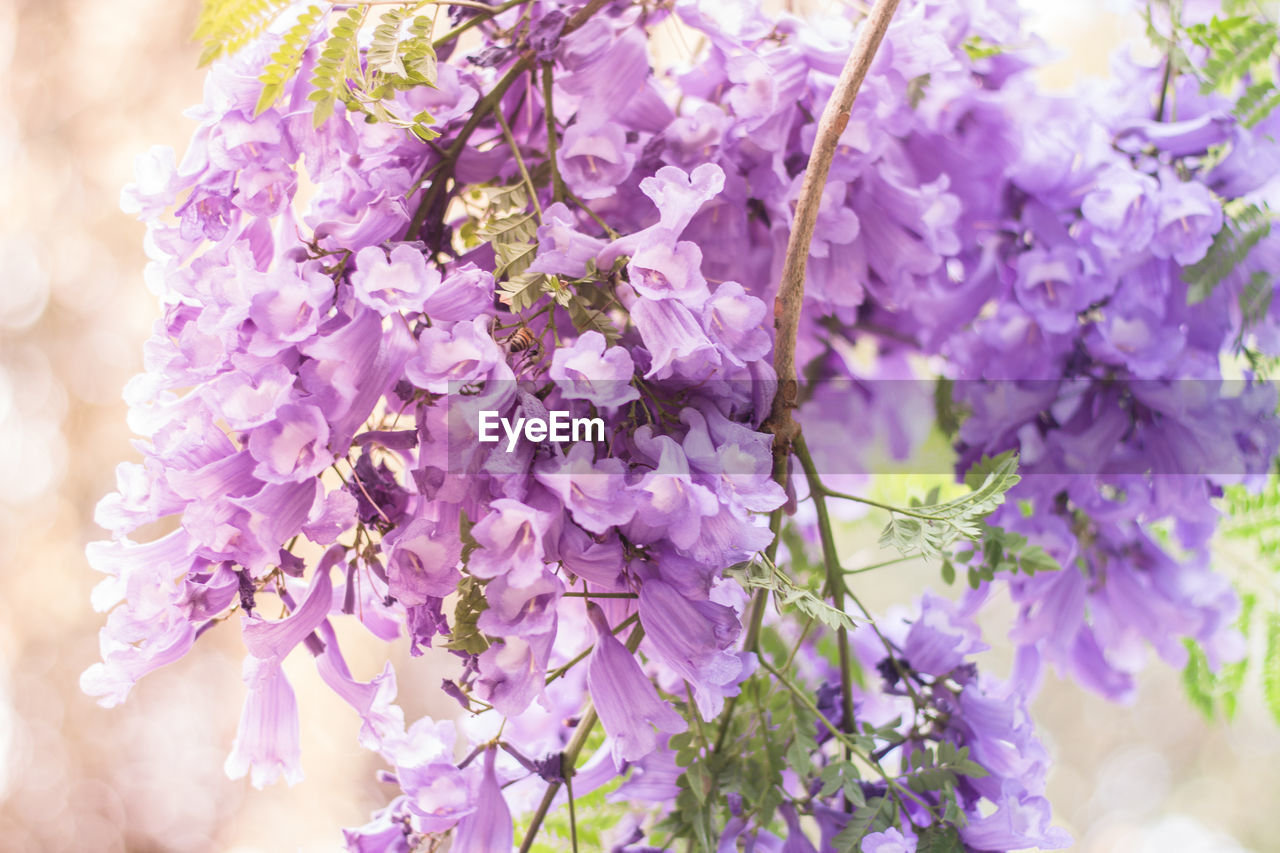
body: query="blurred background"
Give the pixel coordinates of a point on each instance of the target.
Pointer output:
(84, 87)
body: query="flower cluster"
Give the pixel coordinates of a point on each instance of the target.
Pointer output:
(592, 236)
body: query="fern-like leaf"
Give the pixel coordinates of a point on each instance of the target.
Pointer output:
(1244, 226)
(931, 530)
(337, 62)
(284, 62)
(1271, 666)
(225, 26)
(384, 51)
(521, 291)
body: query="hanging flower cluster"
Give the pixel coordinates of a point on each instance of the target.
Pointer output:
(502, 384)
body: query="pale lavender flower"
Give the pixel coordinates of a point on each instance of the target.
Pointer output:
(267, 743)
(890, 841)
(488, 829)
(588, 370)
(694, 639)
(1187, 218)
(396, 284)
(625, 699)
(595, 160)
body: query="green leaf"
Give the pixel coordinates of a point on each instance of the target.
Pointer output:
(1244, 225)
(515, 228)
(1271, 666)
(759, 574)
(225, 26)
(383, 54)
(850, 838)
(465, 634)
(337, 62)
(931, 529)
(588, 319)
(978, 48)
(940, 838)
(284, 62)
(1231, 678)
(513, 258)
(1033, 559)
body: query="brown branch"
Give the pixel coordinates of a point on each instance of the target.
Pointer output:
(791, 289)
(435, 197)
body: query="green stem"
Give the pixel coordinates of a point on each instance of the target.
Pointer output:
(561, 670)
(820, 493)
(557, 183)
(832, 493)
(835, 578)
(844, 739)
(582, 205)
(478, 19)
(573, 815)
(755, 620)
(515, 151)
(434, 195)
(880, 565)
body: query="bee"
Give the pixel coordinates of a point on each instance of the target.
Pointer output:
(523, 339)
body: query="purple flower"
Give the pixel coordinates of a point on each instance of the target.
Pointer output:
(422, 560)
(286, 308)
(659, 271)
(511, 542)
(267, 743)
(562, 248)
(521, 611)
(1052, 285)
(693, 638)
(1122, 209)
(153, 190)
(465, 353)
(586, 370)
(735, 322)
(384, 833)
(890, 841)
(625, 699)
(594, 160)
(1187, 218)
(545, 36)
(513, 673)
(465, 294)
(488, 829)
(399, 283)
(275, 639)
(1015, 824)
(137, 639)
(265, 190)
(668, 503)
(675, 340)
(594, 493)
(291, 448)
(939, 640)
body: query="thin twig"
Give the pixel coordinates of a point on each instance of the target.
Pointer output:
(835, 579)
(471, 22)
(557, 183)
(434, 195)
(515, 151)
(790, 299)
(835, 117)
